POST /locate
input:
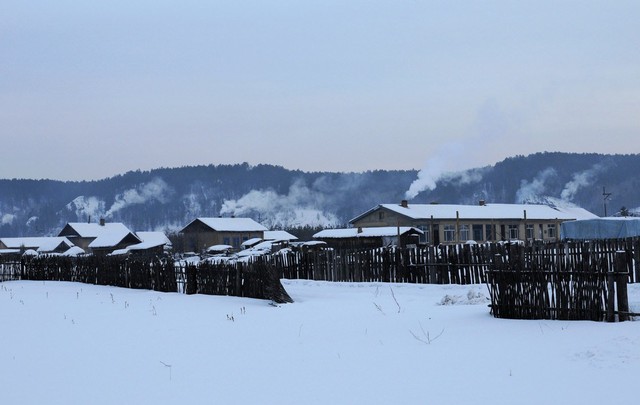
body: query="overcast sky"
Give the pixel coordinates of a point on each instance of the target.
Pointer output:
(91, 89)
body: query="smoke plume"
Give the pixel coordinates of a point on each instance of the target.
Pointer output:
(581, 179)
(534, 191)
(155, 190)
(299, 207)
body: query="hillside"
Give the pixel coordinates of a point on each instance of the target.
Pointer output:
(168, 198)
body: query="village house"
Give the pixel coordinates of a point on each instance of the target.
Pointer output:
(451, 223)
(202, 233)
(99, 238)
(43, 244)
(366, 238)
(153, 243)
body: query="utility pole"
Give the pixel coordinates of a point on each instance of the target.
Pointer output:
(605, 197)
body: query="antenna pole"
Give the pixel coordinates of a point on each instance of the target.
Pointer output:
(605, 197)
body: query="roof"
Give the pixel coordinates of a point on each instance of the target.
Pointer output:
(39, 243)
(601, 228)
(230, 224)
(150, 240)
(373, 232)
(486, 211)
(279, 235)
(107, 235)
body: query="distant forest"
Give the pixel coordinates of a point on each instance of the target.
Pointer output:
(169, 198)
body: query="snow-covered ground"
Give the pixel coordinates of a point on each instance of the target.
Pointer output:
(339, 343)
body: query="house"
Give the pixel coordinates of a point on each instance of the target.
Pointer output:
(201, 233)
(279, 235)
(356, 238)
(453, 223)
(44, 244)
(99, 238)
(601, 228)
(153, 244)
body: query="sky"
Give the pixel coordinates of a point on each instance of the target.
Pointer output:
(89, 90)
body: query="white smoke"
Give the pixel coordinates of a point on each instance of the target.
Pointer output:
(491, 126)
(86, 207)
(581, 179)
(462, 178)
(7, 219)
(299, 207)
(534, 191)
(157, 189)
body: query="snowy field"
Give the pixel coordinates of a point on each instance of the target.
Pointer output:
(339, 343)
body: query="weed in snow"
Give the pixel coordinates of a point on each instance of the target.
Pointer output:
(425, 337)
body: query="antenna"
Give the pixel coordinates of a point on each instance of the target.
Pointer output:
(605, 197)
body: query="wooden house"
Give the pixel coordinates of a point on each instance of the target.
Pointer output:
(99, 238)
(40, 244)
(364, 238)
(202, 233)
(454, 223)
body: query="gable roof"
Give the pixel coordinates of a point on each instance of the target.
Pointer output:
(229, 224)
(279, 235)
(39, 243)
(380, 231)
(107, 235)
(486, 211)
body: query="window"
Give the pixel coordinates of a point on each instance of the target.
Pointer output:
(449, 233)
(513, 232)
(489, 233)
(426, 237)
(236, 242)
(551, 230)
(226, 241)
(464, 233)
(477, 232)
(530, 232)
(380, 215)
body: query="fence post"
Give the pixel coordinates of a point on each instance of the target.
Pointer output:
(611, 316)
(621, 286)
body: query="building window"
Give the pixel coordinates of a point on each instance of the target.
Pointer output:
(477, 232)
(236, 242)
(425, 238)
(530, 232)
(226, 241)
(381, 215)
(513, 232)
(464, 233)
(551, 230)
(489, 233)
(449, 233)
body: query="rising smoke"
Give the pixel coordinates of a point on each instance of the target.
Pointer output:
(533, 191)
(301, 206)
(155, 190)
(581, 179)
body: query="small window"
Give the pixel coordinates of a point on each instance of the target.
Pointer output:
(477, 232)
(530, 232)
(514, 232)
(464, 233)
(489, 232)
(449, 233)
(381, 215)
(551, 230)
(226, 241)
(425, 238)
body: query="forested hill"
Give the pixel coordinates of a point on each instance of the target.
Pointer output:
(167, 199)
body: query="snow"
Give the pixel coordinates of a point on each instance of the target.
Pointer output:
(365, 343)
(279, 235)
(486, 211)
(231, 224)
(40, 243)
(368, 232)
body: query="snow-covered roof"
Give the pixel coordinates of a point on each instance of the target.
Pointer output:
(73, 251)
(251, 242)
(486, 211)
(39, 243)
(150, 240)
(219, 248)
(231, 224)
(373, 232)
(106, 235)
(279, 235)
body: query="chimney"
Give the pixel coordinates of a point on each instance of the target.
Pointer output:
(481, 203)
(404, 204)
(101, 221)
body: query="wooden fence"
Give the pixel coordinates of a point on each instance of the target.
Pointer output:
(255, 280)
(452, 264)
